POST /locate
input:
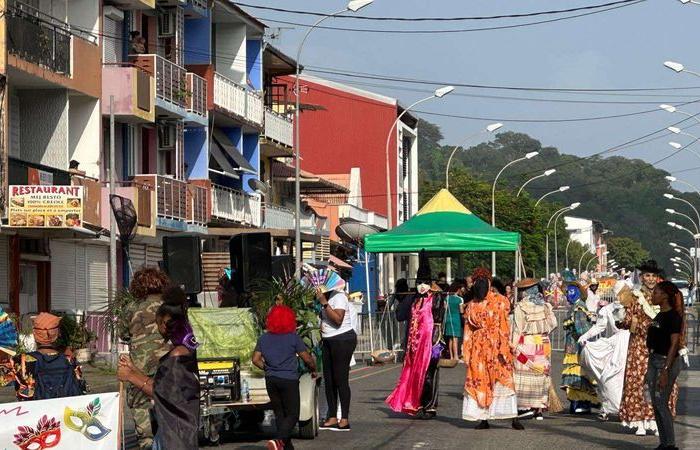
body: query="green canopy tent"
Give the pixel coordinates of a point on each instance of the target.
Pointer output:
(445, 225)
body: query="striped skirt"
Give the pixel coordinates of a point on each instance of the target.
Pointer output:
(532, 367)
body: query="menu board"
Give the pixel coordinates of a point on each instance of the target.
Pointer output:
(45, 206)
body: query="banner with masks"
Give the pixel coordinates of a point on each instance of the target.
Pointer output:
(82, 422)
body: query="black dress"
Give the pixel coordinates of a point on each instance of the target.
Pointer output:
(176, 395)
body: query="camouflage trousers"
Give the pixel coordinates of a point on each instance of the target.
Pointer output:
(140, 405)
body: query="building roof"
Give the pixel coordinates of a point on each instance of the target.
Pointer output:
(310, 183)
(276, 63)
(353, 90)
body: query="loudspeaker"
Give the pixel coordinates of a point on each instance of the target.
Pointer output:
(182, 261)
(251, 259)
(282, 266)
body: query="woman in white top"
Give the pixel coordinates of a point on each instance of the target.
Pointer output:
(339, 341)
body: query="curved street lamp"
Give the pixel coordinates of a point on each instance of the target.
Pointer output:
(674, 245)
(529, 155)
(680, 199)
(561, 189)
(549, 222)
(588, 264)
(353, 6)
(678, 213)
(678, 146)
(586, 249)
(673, 109)
(545, 174)
(673, 179)
(489, 129)
(678, 67)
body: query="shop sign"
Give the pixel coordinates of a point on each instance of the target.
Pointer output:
(45, 206)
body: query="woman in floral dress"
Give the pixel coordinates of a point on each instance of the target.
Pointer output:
(489, 389)
(635, 412)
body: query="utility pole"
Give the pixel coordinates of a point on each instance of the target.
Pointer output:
(112, 224)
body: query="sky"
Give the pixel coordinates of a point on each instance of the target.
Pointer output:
(621, 49)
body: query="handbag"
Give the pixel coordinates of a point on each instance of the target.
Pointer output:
(440, 346)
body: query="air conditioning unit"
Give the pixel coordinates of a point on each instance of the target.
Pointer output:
(113, 13)
(167, 136)
(167, 21)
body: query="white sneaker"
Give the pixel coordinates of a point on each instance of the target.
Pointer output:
(640, 432)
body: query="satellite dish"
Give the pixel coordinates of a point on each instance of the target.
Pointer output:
(258, 186)
(354, 232)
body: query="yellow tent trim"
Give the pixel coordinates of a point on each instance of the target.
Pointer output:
(443, 201)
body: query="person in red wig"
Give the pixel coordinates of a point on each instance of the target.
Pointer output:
(276, 353)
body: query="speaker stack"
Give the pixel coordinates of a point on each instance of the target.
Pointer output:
(182, 261)
(251, 259)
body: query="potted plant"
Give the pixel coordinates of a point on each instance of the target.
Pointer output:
(76, 336)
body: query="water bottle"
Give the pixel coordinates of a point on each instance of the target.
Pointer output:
(245, 391)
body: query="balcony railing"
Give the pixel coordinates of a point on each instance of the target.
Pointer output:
(352, 212)
(196, 94)
(235, 99)
(278, 128)
(237, 206)
(171, 195)
(171, 83)
(278, 217)
(38, 38)
(199, 211)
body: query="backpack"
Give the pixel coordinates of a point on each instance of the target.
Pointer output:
(55, 377)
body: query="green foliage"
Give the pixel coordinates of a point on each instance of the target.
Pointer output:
(295, 295)
(74, 333)
(624, 194)
(118, 314)
(627, 252)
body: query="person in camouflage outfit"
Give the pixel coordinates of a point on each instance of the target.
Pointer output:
(146, 345)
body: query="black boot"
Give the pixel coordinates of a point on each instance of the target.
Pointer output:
(483, 425)
(517, 425)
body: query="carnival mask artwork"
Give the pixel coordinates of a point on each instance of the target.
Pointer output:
(86, 422)
(572, 294)
(46, 435)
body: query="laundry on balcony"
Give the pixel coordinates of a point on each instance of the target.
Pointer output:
(227, 155)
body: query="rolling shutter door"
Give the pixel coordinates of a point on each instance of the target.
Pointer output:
(63, 273)
(154, 255)
(4, 272)
(137, 256)
(112, 40)
(97, 270)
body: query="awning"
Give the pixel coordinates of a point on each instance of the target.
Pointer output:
(227, 148)
(220, 159)
(339, 263)
(310, 183)
(51, 233)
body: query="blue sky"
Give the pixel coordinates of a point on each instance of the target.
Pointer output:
(620, 49)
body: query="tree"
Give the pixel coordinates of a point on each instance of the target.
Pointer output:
(627, 252)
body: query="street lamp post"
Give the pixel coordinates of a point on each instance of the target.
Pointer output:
(690, 219)
(673, 179)
(438, 93)
(561, 189)
(588, 264)
(545, 174)
(566, 252)
(353, 6)
(549, 222)
(580, 261)
(489, 129)
(679, 146)
(493, 200)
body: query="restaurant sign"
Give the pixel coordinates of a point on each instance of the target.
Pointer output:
(45, 206)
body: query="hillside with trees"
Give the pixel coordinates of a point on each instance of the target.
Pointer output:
(625, 195)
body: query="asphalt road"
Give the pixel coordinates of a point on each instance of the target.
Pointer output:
(375, 426)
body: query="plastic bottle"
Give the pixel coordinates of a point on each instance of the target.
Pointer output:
(245, 391)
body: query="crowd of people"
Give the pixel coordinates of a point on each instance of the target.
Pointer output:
(622, 357)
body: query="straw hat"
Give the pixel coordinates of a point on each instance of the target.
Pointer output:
(526, 283)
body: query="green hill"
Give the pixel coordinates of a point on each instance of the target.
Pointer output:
(626, 195)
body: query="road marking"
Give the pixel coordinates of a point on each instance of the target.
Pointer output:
(374, 373)
(360, 369)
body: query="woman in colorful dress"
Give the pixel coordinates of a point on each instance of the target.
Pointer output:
(635, 412)
(580, 390)
(453, 317)
(533, 321)
(489, 389)
(416, 392)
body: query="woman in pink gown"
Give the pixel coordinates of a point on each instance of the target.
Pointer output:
(416, 391)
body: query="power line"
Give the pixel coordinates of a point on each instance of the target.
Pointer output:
(438, 19)
(463, 30)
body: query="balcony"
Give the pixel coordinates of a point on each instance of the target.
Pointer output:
(143, 198)
(278, 134)
(171, 84)
(198, 199)
(278, 217)
(236, 101)
(235, 206)
(352, 213)
(44, 51)
(135, 4)
(134, 93)
(171, 199)
(196, 103)
(92, 198)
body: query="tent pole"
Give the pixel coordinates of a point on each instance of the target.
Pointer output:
(369, 304)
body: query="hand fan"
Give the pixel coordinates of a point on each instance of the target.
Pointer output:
(325, 280)
(8, 332)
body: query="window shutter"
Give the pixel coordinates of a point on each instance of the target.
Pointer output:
(97, 265)
(63, 273)
(4, 272)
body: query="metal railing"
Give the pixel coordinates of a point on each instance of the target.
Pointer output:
(196, 94)
(235, 99)
(234, 205)
(38, 38)
(348, 211)
(199, 209)
(278, 217)
(171, 195)
(171, 83)
(199, 4)
(278, 128)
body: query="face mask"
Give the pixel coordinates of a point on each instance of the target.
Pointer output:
(572, 294)
(46, 435)
(86, 422)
